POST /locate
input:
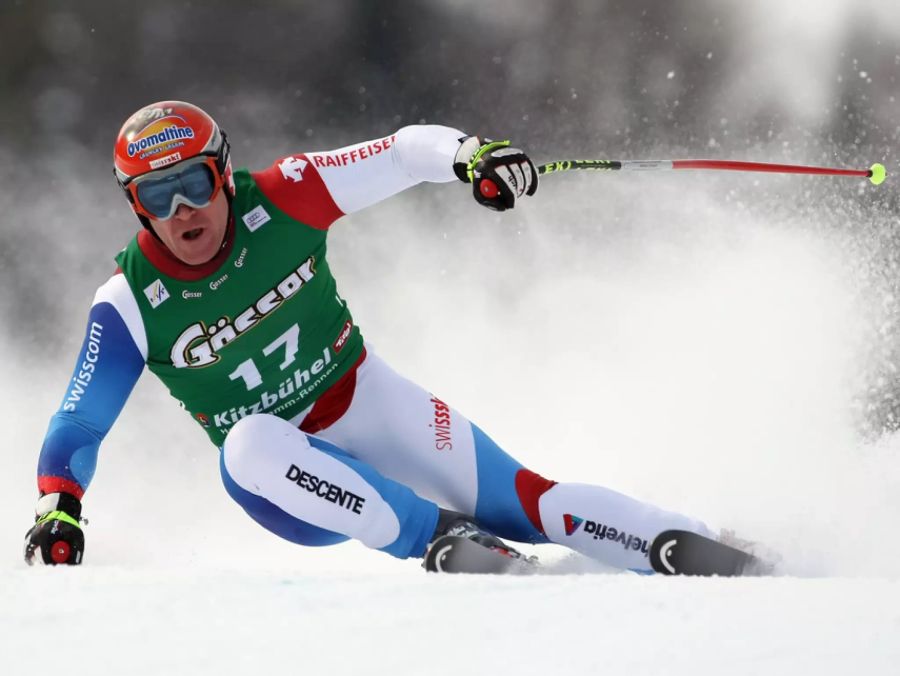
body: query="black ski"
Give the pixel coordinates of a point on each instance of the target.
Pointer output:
(454, 554)
(678, 552)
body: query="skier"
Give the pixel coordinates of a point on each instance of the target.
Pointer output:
(226, 295)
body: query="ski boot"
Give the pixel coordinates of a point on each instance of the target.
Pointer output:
(460, 545)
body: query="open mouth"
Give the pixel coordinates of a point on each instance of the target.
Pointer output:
(192, 234)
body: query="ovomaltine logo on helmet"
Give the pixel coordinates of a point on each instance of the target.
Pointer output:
(171, 133)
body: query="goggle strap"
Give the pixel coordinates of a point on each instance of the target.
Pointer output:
(223, 154)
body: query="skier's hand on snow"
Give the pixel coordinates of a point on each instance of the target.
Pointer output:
(498, 173)
(56, 536)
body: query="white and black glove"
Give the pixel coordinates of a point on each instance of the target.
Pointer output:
(56, 535)
(498, 173)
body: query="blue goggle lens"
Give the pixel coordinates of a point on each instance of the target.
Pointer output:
(196, 184)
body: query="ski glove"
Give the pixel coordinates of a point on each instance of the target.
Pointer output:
(498, 173)
(56, 533)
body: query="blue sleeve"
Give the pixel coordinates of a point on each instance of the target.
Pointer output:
(106, 371)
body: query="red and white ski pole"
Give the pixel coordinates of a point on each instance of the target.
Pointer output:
(876, 173)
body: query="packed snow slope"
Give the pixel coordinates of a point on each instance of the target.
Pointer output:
(110, 620)
(638, 331)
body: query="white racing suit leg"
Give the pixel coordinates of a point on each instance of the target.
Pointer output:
(317, 495)
(413, 437)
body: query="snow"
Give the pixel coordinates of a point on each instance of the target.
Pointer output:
(209, 620)
(653, 334)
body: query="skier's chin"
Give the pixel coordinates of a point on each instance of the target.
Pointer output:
(195, 236)
(196, 246)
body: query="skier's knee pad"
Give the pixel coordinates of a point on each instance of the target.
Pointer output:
(256, 445)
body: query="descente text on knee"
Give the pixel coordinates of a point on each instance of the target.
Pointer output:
(325, 490)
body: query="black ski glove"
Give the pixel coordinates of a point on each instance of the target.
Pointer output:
(498, 174)
(57, 531)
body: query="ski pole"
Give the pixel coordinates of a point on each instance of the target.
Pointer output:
(876, 174)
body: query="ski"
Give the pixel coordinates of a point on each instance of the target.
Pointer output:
(678, 552)
(455, 554)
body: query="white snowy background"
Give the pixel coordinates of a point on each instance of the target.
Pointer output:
(694, 340)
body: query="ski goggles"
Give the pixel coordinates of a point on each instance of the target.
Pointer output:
(195, 182)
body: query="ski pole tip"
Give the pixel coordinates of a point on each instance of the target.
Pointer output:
(877, 174)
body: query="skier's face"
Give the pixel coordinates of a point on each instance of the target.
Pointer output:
(195, 236)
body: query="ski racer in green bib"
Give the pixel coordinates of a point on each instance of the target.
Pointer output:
(226, 295)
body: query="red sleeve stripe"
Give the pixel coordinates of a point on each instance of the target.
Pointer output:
(294, 185)
(56, 484)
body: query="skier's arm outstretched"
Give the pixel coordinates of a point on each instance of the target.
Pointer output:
(111, 359)
(317, 188)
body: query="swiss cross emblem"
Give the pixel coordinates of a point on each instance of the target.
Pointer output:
(292, 168)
